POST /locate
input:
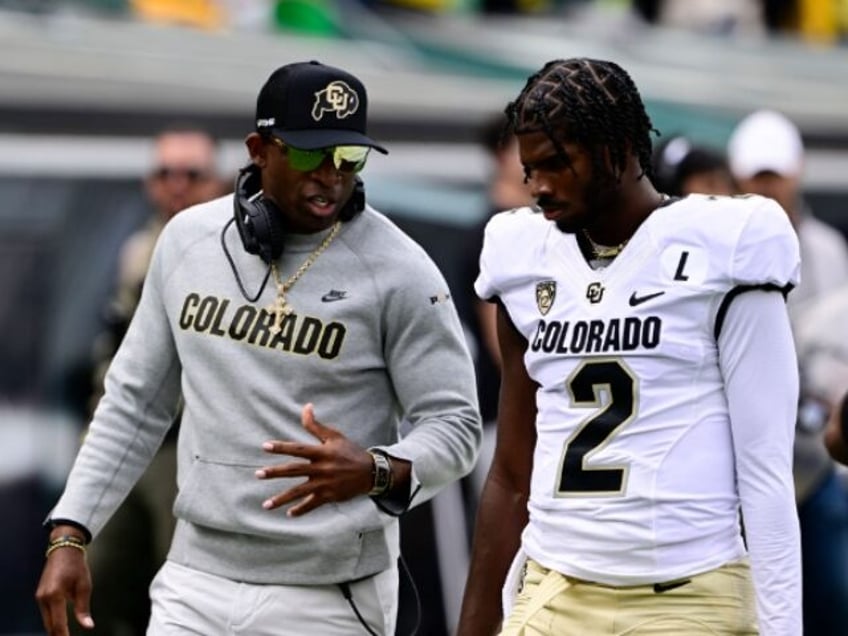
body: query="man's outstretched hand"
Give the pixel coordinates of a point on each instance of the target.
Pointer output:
(336, 468)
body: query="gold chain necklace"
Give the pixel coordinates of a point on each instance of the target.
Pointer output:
(281, 308)
(601, 252)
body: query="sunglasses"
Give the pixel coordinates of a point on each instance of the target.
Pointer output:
(347, 159)
(194, 175)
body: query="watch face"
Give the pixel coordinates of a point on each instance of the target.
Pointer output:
(382, 474)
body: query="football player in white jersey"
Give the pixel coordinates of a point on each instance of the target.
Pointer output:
(649, 389)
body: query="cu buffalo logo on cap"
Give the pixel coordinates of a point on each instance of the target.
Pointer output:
(338, 98)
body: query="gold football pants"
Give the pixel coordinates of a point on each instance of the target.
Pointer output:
(718, 602)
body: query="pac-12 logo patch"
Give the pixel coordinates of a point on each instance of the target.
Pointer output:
(545, 295)
(337, 97)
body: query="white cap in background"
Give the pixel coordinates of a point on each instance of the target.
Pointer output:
(765, 141)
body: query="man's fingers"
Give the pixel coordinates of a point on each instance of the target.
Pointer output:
(309, 451)
(309, 503)
(52, 605)
(292, 469)
(85, 620)
(82, 599)
(307, 418)
(287, 497)
(55, 615)
(296, 449)
(307, 415)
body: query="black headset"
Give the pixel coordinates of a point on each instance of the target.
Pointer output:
(260, 223)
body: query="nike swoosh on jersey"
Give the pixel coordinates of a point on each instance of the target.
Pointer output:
(638, 300)
(332, 295)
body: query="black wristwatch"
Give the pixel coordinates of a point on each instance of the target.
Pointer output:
(381, 473)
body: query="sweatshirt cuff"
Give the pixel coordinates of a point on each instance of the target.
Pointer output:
(397, 502)
(53, 522)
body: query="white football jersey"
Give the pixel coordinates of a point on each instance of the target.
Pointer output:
(633, 472)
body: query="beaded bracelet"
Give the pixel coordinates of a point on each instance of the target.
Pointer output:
(65, 541)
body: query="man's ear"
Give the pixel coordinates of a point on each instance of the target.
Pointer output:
(256, 148)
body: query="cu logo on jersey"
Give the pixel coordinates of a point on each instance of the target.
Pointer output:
(595, 292)
(338, 98)
(545, 295)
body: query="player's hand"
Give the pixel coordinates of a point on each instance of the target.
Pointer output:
(336, 469)
(65, 578)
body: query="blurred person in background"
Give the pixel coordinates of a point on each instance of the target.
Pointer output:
(715, 17)
(816, 21)
(681, 168)
(823, 350)
(766, 156)
(836, 432)
(822, 337)
(185, 171)
(291, 468)
(506, 188)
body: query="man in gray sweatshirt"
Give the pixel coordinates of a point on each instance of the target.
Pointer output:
(291, 469)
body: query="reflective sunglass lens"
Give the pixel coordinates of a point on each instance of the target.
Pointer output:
(345, 158)
(350, 158)
(305, 160)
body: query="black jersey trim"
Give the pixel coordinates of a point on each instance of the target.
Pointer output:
(741, 289)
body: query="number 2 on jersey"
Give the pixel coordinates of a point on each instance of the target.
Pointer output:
(585, 386)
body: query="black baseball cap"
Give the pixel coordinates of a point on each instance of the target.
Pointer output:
(311, 105)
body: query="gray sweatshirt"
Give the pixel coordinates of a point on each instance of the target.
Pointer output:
(374, 339)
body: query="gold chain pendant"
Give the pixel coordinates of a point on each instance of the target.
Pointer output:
(280, 307)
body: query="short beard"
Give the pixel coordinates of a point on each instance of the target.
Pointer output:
(599, 196)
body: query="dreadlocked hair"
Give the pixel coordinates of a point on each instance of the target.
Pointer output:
(592, 102)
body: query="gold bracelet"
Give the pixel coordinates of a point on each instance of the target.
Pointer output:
(65, 541)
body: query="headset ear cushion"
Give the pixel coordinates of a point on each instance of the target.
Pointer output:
(258, 220)
(270, 231)
(356, 203)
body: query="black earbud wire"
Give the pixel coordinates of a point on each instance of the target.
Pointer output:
(235, 271)
(348, 594)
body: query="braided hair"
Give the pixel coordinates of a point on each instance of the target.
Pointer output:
(591, 102)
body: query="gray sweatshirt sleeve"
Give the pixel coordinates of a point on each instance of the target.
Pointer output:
(433, 376)
(139, 405)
